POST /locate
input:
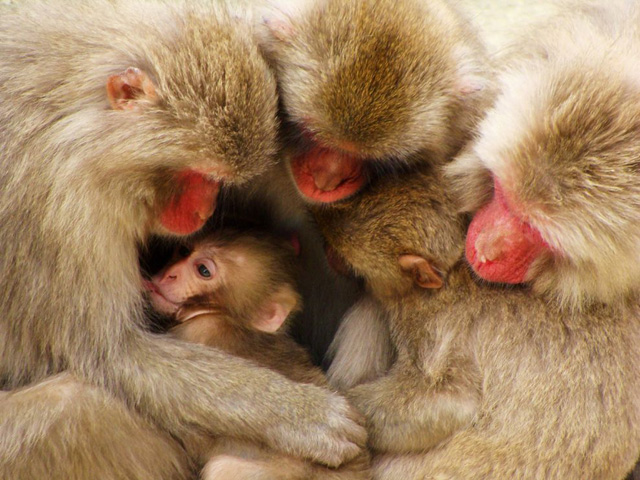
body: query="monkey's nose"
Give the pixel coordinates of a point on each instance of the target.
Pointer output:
(169, 278)
(490, 246)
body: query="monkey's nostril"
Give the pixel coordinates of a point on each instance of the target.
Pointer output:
(489, 247)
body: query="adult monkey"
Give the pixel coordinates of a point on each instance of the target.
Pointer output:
(120, 119)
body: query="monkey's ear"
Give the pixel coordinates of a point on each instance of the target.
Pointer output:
(472, 77)
(279, 15)
(129, 89)
(294, 240)
(421, 270)
(276, 310)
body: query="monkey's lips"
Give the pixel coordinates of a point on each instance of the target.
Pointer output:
(501, 247)
(161, 303)
(324, 175)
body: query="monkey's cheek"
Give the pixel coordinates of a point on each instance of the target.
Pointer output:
(190, 210)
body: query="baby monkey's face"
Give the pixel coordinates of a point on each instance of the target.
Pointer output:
(191, 273)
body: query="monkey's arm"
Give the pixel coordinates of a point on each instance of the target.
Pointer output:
(407, 411)
(231, 458)
(184, 385)
(60, 428)
(361, 350)
(482, 455)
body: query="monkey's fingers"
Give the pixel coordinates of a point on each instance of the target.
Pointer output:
(331, 439)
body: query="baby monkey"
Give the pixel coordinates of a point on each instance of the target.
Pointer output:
(236, 291)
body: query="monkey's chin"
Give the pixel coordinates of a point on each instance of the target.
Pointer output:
(190, 210)
(158, 301)
(499, 246)
(325, 176)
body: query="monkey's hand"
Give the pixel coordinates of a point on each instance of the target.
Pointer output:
(325, 429)
(189, 388)
(189, 209)
(405, 413)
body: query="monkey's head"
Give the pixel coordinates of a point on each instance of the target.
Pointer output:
(399, 234)
(370, 83)
(247, 278)
(554, 178)
(203, 97)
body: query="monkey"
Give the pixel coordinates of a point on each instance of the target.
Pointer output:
(272, 203)
(370, 86)
(566, 204)
(552, 178)
(236, 291)
(488, 382)
(120, 119)
(361, 350)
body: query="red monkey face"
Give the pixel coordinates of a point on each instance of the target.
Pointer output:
(561, 145)
(366, 82)
(500, 246)
(196, 274)
(326, 175)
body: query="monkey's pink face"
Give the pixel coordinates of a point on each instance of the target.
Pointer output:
(189, 211)
(197, 274)
(500, 246)
(326, 175)
(131, 91)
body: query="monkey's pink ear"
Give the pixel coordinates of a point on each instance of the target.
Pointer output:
(276, 310)
(129, 89)
(294, 240)
(421, 270)
(471, 76)
(279, 15)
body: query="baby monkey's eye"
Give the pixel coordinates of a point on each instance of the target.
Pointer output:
(204, 271)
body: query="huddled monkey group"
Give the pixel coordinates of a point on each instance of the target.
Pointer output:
(317, 239)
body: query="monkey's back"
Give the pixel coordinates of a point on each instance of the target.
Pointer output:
(565, 383)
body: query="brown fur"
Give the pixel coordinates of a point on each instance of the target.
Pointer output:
(84, 448)
(393, 78)
(82, 186)
(489, 383)
(267, 268)
(272, 202)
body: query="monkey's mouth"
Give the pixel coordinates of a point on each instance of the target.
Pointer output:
(325, 175)
(159, 302)
(189, 210)
(500, 247)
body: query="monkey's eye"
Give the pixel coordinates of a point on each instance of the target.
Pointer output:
(204, 271)
(205, 268)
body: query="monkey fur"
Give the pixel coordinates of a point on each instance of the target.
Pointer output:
(488, 382)
(104, 108)
(244, 306)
